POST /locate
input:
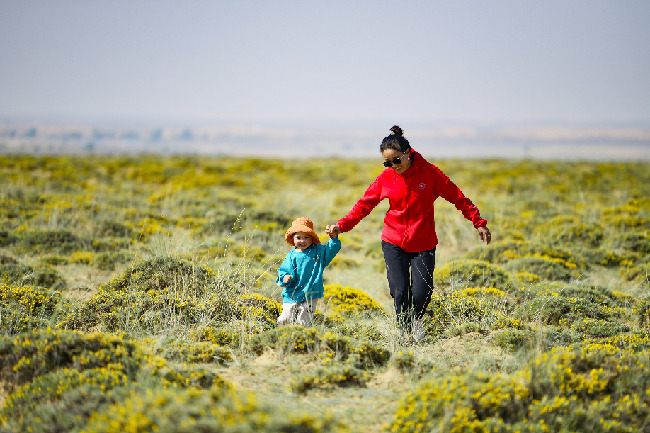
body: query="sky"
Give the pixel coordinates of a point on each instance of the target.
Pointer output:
(327, 62)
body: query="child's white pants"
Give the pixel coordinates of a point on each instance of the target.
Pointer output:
(298, 313)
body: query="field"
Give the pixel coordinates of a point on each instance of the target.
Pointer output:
(137, 295)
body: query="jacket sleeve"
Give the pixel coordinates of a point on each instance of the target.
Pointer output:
(331, 250)
(363, 207)
(448, 190)
(287, 268)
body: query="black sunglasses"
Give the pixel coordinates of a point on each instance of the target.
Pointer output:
(394, 161)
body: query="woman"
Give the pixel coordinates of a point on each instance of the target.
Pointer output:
(411, 184)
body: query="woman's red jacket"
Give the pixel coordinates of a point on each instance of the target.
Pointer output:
(409, 222)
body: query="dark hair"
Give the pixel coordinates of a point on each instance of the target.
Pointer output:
(395, 141)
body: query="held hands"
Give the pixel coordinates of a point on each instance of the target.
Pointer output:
(485, 235)
(287, 278)
(333, 231)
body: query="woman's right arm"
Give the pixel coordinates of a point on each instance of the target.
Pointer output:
(362, 207)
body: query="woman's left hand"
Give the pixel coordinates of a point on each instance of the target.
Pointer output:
(485, 235)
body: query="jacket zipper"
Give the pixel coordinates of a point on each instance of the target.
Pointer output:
(406, 215)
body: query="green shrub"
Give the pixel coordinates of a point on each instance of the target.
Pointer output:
(502, 252)
(7, 260)
(642, 310)
(49, 241)
(637, 242)
(114, 229)
(513, 339)
(599, 328)
(639, 273)
(164, 273)
(288, 339)
(570, 303)
(7, 238)
(25, 275)
(570, 230)
(404, 361)
(107, 261)
(468, 310)
(330, 345)
(337, 375)
(459, 274)
(545, 268)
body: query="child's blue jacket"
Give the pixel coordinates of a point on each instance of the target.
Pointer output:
(306, 268)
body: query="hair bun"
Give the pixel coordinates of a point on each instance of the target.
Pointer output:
(396, 130)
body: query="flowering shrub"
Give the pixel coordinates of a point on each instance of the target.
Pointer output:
(346, 301)
(37, 352)
(156, 294)
(222, 336)
(195, 352)
(261, 309)
(25, 308)
(187, 376)
(587, 389)
(57, 380)
(63, 399)
(213, 410)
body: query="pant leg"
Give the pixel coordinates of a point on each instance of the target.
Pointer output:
(398, 263)
(305, 312)
(287, 317)
(422, 266)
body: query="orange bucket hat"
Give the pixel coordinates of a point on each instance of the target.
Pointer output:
(302, 224)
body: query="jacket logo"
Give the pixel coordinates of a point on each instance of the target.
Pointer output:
(422, 185)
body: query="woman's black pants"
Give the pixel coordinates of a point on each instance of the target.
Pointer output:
(410, 279)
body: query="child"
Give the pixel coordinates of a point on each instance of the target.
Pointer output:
(301, 272)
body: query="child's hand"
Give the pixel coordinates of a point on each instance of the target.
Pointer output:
(287, 278)
(333, 231)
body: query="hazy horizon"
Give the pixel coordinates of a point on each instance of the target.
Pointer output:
(345, 141)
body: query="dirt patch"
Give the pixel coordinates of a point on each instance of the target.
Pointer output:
(3, 392)
(365, 409)
(78, 293)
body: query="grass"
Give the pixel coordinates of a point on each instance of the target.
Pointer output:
(138, 293)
